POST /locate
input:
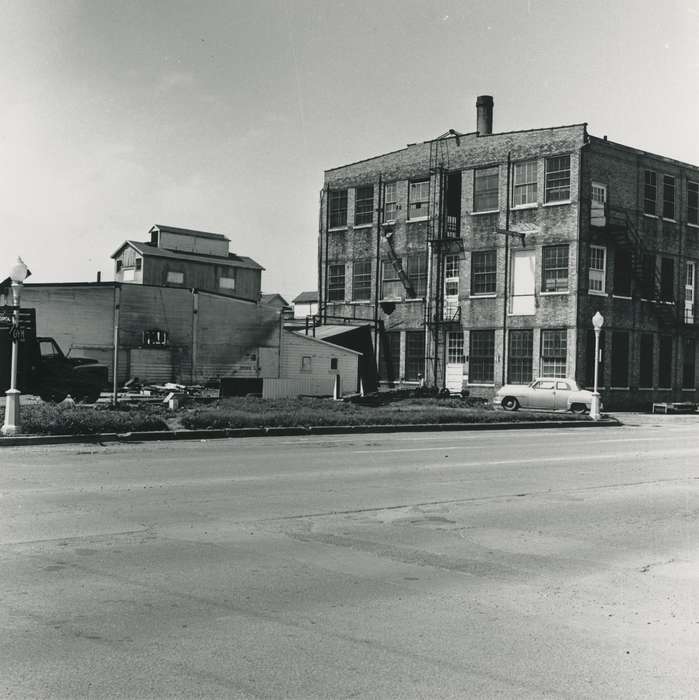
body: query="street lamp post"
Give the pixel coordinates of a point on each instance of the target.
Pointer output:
(12, 421)
(597, 322)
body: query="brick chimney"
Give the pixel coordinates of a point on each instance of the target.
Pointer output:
(484, 115)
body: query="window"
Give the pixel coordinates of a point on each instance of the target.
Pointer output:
(364, 205)
(414, 354)
(128, 274)
(175, 277)
(598, 269)
(620, 359)
(667, 279)
(417, 272)
(668, 197)
(689, 278)
(361, 280)
(389, 355)
(226, 282)
(650, 192)
(451, 275)
(590, 359)
(139, 263)
(336, 283)
(418, 199)
(455, 347)
(665, 361)
(557, 179)
(524, 183)
(599, 193)
(688, 363)
(519, 358)
(485, 189)
(622, 273)
(645, 378)
(333, 363)
(554, 348)
(483, 270)
(554, 268)
(481, 361)
(390, 201)
(119, 265)
(337, 208)
(391, 286)
(598, 197)
(693, 203)
(306, 365)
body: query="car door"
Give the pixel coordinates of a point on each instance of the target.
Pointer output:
(542, 394)
(563, 391)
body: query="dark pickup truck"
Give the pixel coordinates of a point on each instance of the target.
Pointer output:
(43, 369)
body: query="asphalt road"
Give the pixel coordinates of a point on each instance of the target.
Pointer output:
(548, 563)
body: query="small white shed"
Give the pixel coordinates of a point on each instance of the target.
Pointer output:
(310, 366)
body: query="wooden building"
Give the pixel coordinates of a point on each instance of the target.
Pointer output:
(187, 259)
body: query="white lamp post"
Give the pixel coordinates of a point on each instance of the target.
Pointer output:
(597, 323)
(12, 419)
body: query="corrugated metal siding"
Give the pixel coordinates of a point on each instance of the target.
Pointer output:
(153, 365)
(309, 386)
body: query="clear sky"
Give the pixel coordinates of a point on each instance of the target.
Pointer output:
(222, 116)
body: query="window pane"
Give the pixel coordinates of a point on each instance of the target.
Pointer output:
(665, 362)
(364, 205)
(419, 197)
(391, 286)
(597, 268)
(554, 268)
(389, 356)
(622, 273)
(483, 272)
(417, 272)
(519, 361)
(688, 363)
(485, 189)
(481, 362)
(361, 280)
(693, 202)
(646, 361)
(455, 347)
(557, 179)
(390, 201)
(554, 347)
(414, 354)
(649, 192)
(337, 204)
(524, 187)
(336, 283)
(668, 197)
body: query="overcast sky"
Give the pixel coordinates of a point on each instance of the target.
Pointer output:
(222, 116)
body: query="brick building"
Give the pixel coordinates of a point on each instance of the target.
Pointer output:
(481, 258)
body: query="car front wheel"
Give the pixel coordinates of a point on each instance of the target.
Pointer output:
(510, 403)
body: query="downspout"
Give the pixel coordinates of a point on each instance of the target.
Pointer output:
(503, 359)
(195, 333)
(324, 311)
(115, 355)
(379, 211)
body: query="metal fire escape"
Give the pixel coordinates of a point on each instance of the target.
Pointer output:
(443, 239)
(622, 230)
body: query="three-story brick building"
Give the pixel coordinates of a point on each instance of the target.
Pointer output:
(481, 258)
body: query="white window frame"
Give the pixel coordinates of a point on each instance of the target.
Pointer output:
(597, 276)
(455, 348)
(306, 363)
(524, 184)
(390, 201)
(418, 194)
(553, 178)
(478, 195)
(597, 189)
(689, 290)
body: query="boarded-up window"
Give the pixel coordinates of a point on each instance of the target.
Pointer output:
(226, 282)
(175, 277)
(306, 363)
(389, 356)
(622, 273)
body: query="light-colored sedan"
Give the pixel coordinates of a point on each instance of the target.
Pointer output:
(545, 393)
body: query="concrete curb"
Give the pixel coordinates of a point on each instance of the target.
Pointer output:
(213, 434)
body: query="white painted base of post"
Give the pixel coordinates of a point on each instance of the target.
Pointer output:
(594, 406)
(12, 421)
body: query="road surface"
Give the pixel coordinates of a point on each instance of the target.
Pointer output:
(547, 563)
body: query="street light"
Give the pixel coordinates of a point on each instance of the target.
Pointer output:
(597, 323)
(12, 420)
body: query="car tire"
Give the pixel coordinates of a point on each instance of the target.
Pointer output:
(578, 408)
(510, 403)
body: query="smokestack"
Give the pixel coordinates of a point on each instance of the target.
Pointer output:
(99, 275)
(484, 115)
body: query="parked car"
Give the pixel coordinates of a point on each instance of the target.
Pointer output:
(546, 393)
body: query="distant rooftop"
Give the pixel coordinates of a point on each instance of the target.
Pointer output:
(307, 298)
(189, 232)
(146, 249)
